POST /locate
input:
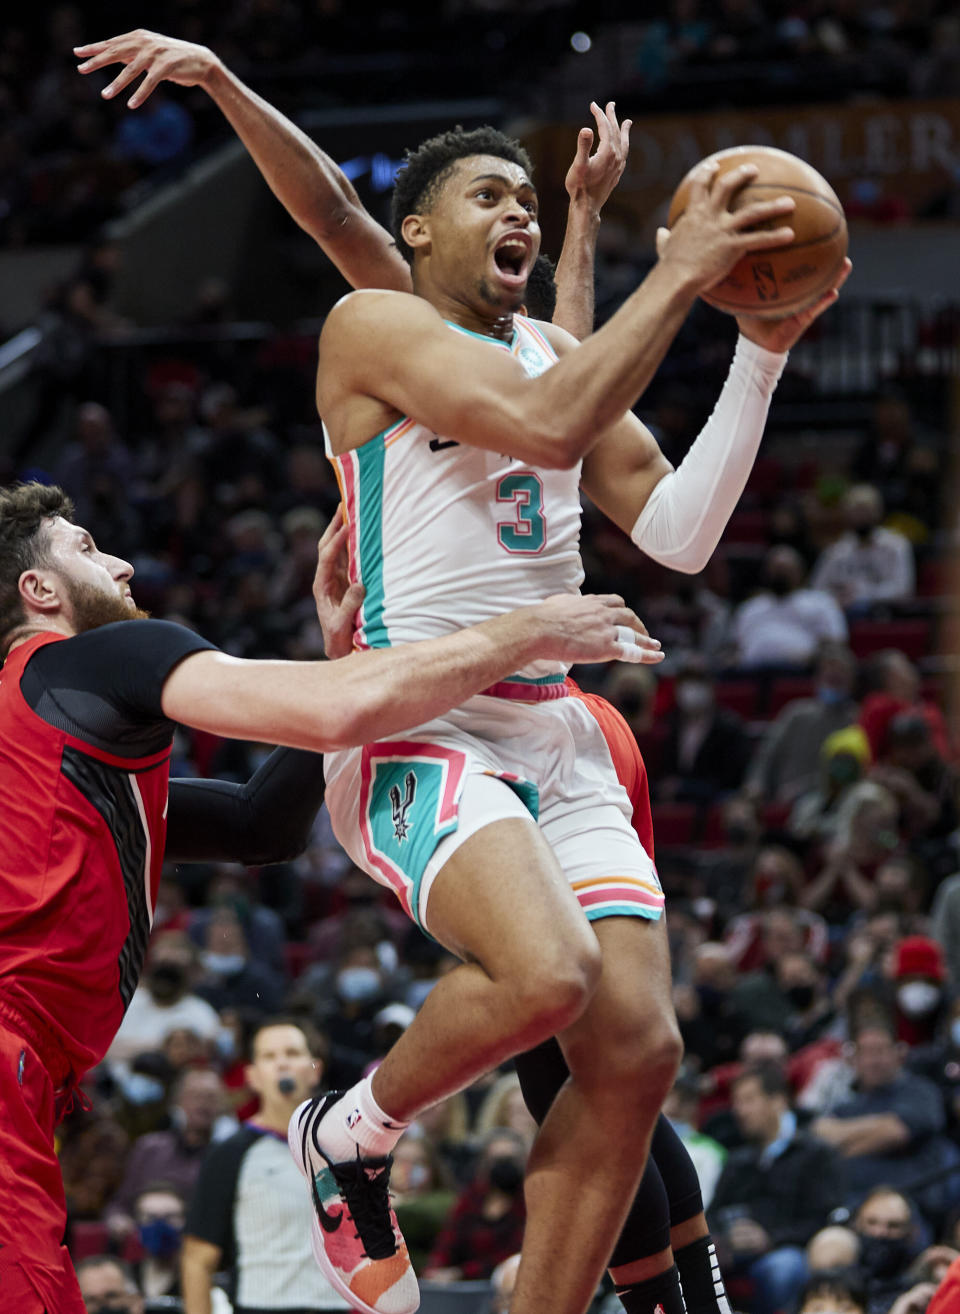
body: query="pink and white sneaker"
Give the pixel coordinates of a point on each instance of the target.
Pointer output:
(356, 1240)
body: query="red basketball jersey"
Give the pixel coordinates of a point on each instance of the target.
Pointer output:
(81, 844)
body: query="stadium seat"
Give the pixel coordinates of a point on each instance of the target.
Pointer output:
(911, 637)
(738, 696)
(298, 957)
(88, 1239)
(454, 1297)
(786, 690)
(675, 824)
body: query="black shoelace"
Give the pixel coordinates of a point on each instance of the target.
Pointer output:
(364, 1186)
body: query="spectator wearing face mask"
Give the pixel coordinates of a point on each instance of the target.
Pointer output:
(787, 762)
(783, 625)
(173, 1156)
(818, 814)
(230, 977)
(107, 1286)
(163, 1002)
(868, 564)
(486, 1224)
(159, 1212)
(918, 979)
(706, 749)
(885, 1225)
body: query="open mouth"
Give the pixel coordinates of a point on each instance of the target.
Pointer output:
(511, 259)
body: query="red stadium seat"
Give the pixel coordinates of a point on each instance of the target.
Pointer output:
(738, 696)
(911, 637)
(88, 1239)
(786, 691)
(675, 824)
(748, 527)
(298, 958)
(937, 577)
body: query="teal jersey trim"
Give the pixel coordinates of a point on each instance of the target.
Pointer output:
(540, 679)
(370, 466)
(485, 337)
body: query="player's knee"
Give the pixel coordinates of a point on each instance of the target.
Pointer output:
(556, 988)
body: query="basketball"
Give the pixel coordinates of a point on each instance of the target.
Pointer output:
(776, 283)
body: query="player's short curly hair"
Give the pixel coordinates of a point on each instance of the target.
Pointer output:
(426, 169)
(26, 513)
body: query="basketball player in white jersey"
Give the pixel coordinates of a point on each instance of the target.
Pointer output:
(461, 447)
(396, 782)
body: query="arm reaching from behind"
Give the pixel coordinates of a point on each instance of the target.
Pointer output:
(312, 188)
(329, 705)
(590, 180)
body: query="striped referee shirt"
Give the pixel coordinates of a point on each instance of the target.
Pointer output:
(252, 1203)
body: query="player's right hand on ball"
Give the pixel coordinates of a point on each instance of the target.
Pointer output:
(160, 58)
(709, 238)
(595, 628)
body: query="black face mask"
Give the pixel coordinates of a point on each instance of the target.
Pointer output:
(166, 980)
(506, 1174)
(801, 996)
(863, 532)
(884, 1256)
(779, 585)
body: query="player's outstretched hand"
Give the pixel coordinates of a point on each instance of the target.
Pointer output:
(159, 58)
(709, 238)
(337, 599)
(594, 628)
(595, 176)
(781, 334)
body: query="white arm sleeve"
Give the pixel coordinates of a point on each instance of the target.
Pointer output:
(688, 510)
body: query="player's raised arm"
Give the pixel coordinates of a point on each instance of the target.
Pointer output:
(589, 181)
(306, 181)
(677, 516)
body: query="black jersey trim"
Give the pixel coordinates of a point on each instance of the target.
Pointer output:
(109, 791)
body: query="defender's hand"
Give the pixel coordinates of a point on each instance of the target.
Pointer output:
(594, 177)
(338, 601)
(594, 628)
(161, 58)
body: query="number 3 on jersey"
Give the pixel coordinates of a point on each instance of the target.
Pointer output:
(526, 534)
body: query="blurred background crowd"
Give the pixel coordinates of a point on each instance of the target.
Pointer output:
(800, 741)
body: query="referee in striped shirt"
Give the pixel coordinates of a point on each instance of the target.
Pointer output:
(249, 1214)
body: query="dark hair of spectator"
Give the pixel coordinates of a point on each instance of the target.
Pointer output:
(97, 1261)
(772, 1079)
(540, 297)
(837, 1284)
(426, 169)
(873, 1022)
(160, 1186)
(26, 511)
(316, 1042)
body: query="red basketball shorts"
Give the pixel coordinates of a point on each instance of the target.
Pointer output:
(36, 1276)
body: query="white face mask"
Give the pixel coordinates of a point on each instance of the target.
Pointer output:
(694, 696)
(918, 998)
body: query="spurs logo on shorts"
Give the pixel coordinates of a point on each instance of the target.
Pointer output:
(401, 827)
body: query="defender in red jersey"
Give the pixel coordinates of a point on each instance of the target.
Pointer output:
(88, 705)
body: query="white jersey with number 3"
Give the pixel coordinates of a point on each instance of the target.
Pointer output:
(443, 535)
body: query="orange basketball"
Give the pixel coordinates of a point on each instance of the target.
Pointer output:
(778, 282)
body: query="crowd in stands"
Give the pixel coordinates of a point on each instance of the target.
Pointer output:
(69, 160)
